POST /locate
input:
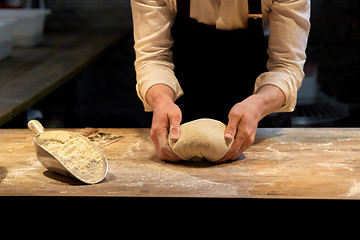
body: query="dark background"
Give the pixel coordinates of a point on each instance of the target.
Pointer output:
(104, 94)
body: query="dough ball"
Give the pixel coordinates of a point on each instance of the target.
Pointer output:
(201, 138)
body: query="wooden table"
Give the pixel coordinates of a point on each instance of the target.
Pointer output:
(282, 163)
(32, 73)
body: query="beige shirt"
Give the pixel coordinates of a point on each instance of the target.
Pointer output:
(288, 22)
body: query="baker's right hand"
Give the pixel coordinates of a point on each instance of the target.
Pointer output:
(166, 121)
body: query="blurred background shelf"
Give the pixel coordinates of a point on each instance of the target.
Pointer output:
(31, 74)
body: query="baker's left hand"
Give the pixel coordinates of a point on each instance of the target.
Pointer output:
(243, 121)
(245, 116)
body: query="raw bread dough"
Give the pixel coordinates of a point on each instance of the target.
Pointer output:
(201, 138)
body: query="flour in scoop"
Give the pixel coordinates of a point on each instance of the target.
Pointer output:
(79, 157)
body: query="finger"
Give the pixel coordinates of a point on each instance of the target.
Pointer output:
(175, 120)
(223, 159)
(233, 154)
(238, 153)
(163, 149)
(232, 126)
(230, 130)
(164, 152)
(243, 139)
(234, 150)
(248, 141)
(230, 134)
(174, 133)
(168, 154)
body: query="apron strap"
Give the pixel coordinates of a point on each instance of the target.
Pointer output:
(255, 13)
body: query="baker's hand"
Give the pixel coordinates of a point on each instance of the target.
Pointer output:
(245, 116)
(243, 120)
(166, 120)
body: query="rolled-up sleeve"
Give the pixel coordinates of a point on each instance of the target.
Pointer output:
(152, 21)
(289, 30)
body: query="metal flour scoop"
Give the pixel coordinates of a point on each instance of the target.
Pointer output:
(69, 154)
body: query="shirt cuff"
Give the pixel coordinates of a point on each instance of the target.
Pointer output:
(287, 85)
(157, 75)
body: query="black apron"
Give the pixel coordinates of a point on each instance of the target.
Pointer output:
(216, 68)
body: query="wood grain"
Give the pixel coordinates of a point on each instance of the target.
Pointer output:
(282, 163)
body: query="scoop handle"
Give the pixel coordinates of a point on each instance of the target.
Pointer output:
(36, 126)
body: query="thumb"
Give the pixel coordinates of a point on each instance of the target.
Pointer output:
(175, 127)
(174, 133)
(230, 130)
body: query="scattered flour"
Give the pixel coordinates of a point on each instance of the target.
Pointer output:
(354, 191)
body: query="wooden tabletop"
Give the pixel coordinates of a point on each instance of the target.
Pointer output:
(306, 163)
(32, 73)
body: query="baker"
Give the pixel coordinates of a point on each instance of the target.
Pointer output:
(215, 54)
